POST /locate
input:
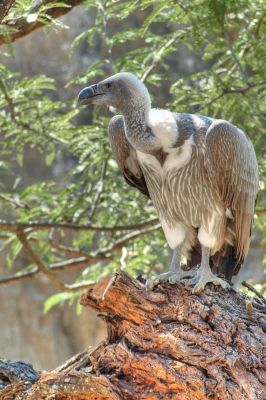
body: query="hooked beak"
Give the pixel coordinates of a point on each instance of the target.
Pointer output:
(87, 95)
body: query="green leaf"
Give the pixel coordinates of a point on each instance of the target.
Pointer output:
(49, 158)
(55, 300)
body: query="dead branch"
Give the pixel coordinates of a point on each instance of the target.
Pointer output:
(163, 344)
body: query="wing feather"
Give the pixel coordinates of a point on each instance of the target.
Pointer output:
(232, 169)
(126, 155)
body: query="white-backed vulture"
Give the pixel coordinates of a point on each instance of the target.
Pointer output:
(200, 173)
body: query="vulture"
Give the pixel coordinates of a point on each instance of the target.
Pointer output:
(200, 173)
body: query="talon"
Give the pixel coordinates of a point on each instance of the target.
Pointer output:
(196, 290)
(224, 284)
(193, 281)
(172, 280)
(170, 276)
(202, 281)
(149, 284)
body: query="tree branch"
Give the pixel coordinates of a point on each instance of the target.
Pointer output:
(14, 202)
(75, 262)
(46, 270)
(61, 248)
(127, 238)
(260, 297)
(100, 190)
(157, 58)
(240, 90)
(35, 226)
(166, 343)
(22, 26)
(41, 266)
(19, 277)
(236, 58)
(5, 7)
(84, 261)
(8, 99)
(261, 211)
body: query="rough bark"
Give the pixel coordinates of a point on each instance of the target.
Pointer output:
(164, 344)
(22, 26)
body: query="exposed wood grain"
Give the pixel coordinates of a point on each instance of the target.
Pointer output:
(163, 344)
(173, 343)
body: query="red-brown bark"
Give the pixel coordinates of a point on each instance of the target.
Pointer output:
(165, 344)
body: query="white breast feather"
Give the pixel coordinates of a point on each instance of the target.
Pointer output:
(206, 239)
(176, 158)
(174, 235)
(179, 157)
(163, 126)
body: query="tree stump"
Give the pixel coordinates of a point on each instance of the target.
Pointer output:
(165, 344)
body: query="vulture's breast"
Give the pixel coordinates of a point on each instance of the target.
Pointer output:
(178, 186)
(171, 161)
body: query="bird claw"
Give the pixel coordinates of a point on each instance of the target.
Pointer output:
(154, 280)
(172, 279)
(202, 278)
(170, 276)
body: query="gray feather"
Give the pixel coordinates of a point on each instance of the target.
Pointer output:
(125, 155)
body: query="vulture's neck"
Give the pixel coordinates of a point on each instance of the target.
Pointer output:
(136, 115)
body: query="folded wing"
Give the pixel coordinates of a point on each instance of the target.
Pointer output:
(232, 169)
(125, 155)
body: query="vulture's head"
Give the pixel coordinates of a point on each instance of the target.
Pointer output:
(120, 91)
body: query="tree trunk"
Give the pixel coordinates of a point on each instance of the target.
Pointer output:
(162, 344)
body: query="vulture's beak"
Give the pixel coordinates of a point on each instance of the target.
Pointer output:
(87, 95)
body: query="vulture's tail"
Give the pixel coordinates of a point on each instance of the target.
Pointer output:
(225, 262)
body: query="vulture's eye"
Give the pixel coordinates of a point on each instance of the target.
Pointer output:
(108, 85)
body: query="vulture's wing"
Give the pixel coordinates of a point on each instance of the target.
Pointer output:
(125, 155)
(233, 171)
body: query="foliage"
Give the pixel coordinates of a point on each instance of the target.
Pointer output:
(224, 43)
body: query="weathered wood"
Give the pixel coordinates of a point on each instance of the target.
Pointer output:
(171, 344)
(165, 344)
(15, 377)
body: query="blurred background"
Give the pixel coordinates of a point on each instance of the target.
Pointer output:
(55, 163)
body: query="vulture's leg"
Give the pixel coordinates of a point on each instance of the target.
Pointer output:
(174, 274)
(205, 275)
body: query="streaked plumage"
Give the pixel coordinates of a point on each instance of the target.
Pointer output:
(126, 155)
(201, 174)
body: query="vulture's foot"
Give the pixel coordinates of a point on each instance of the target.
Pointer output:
(204, 276)
(169, 276)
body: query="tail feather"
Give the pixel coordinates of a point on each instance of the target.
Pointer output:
(225, 262)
